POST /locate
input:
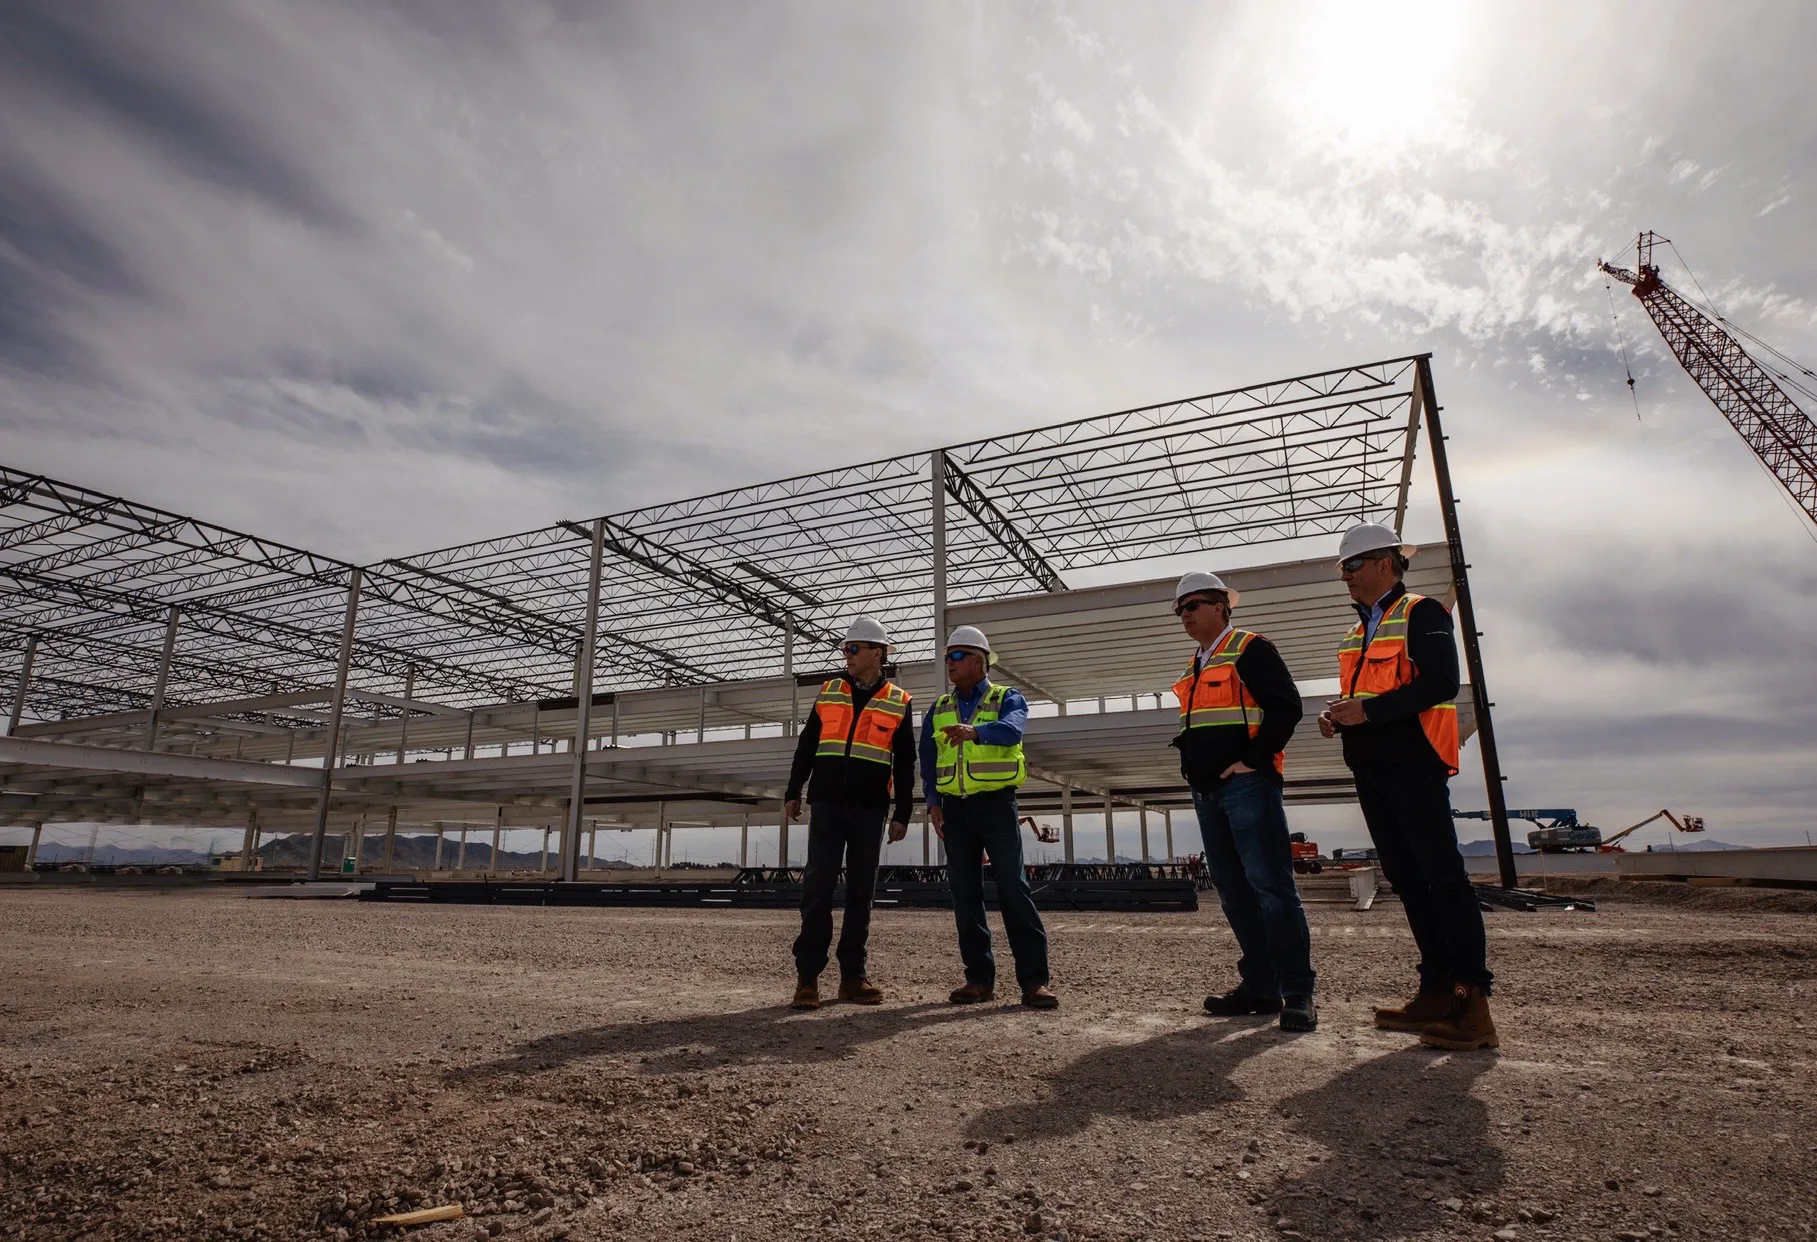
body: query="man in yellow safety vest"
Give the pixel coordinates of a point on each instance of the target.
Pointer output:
(971, 767)
(856, 754)
(1397, 714)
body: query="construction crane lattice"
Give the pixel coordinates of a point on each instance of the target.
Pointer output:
(1779, 431)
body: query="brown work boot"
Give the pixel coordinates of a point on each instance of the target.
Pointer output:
(1040, 998)
(972, 994)
(1417, 1014)
(1468, 1027)
(860, 992)
(807, 995)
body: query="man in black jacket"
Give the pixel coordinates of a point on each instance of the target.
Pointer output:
(1398, 718)
(856, 754)
(1238, 707)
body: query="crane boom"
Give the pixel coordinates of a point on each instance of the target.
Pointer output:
(1779, 431)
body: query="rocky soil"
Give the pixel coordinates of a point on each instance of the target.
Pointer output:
(197, 1065)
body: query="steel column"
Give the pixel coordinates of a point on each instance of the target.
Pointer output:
(440, 838)
(31, 851)
(1142, 821)
(788, 670)
(163, 682)
(403, 727)
(390, 839)
(583, 709)
(544, 868)
(25, 678)
(333, 747)
(1167, 820)
(744, 841)
(249, 844)
(1426, 395)
(1066, 819)
(782, 837)
(498, 829)
(1110, 832)
(937, 481)
(460, 859)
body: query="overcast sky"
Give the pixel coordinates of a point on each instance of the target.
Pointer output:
(373, 278)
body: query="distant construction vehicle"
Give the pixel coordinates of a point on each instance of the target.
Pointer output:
(1747, 390)
(1306, 860)
(1560, 831)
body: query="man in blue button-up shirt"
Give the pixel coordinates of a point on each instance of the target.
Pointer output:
(981, 824)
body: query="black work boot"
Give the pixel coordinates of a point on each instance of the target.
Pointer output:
(1237, 1002)
(1298, 1013)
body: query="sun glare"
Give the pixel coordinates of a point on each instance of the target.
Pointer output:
(1373, 81)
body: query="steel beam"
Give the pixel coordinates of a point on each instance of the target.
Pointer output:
(331, 751)
(1466, 618)
(583, 690)
(36, 753)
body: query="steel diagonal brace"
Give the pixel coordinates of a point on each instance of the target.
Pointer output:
(506, 616)
(671, 564)
(960, 487)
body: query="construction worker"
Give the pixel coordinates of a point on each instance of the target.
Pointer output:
(1397, 715)
(1238, 707)
(856, 754)
(971, 767)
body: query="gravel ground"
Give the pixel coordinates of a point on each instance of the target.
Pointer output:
(197, 1065)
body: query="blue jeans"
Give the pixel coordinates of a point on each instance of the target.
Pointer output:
(1244, 827)
(980, 824)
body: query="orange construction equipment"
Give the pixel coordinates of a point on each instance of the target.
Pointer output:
(1690, 823)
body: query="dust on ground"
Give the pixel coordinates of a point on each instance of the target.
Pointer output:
(196, 1065)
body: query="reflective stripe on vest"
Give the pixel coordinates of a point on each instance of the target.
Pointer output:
(871, 735)
(965, 768)
(1384, 665)
(1215, 695)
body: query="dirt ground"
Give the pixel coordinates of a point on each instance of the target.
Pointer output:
(200, 1065)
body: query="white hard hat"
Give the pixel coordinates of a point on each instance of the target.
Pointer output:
(1195, 582)
(973, 637)
(1371, 537)
(867, 630)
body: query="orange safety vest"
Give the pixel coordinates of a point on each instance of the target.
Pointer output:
(1215, 695)
(872, 735)
(1386, 666)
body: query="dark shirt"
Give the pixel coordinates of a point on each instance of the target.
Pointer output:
(1392, 733)
(1205, 753)
(856, 782)
(1005, 730)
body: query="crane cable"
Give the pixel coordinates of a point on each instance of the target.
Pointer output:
(1615, 318)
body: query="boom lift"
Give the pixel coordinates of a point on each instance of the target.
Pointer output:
(1690, 823)
(1779, 431)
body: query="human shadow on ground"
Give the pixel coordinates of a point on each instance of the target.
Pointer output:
(1179, 1074)
(764, 1035)
(1406, 1134)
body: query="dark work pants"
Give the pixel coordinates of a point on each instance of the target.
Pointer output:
(1244, 827)
(981, 824)
(1408, 809)
(853, 834)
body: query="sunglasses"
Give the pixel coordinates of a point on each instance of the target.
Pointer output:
(1357, 562)
(853, 649)
(1192, 605)
(956, 657)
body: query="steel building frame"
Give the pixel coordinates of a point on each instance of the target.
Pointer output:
(208, 674)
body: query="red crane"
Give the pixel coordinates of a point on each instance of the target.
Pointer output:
(1779, 431)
